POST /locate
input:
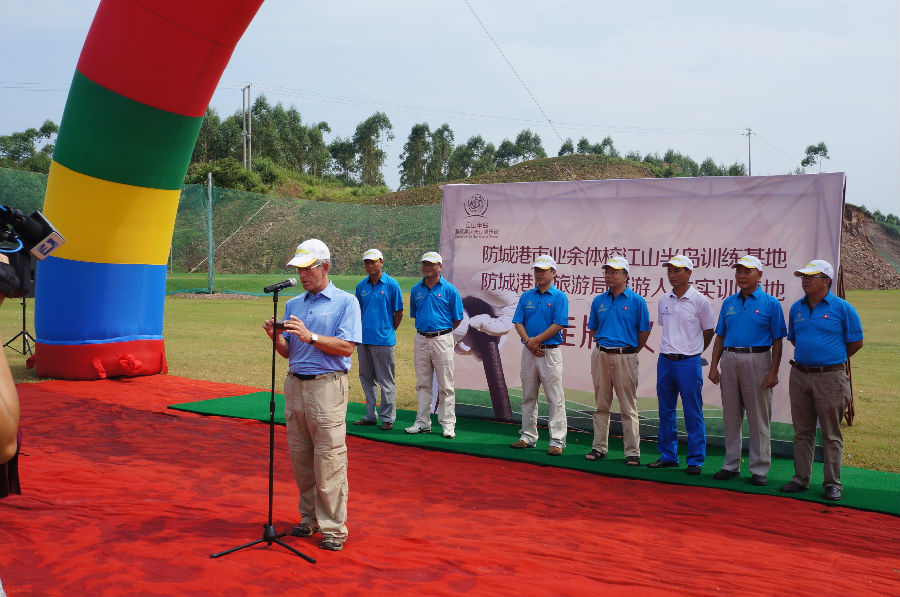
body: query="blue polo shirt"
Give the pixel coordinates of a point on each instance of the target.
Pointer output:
(618, 320)
(757, 320)
(378, 302)
(437, 308)
(539, 310)
(821, 334)
(331, 312)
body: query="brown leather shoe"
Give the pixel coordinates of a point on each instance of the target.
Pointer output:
(520, 444)
(554, 451)
(387, 426)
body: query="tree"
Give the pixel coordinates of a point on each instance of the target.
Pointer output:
(507, 154)
(20, 150)
(367, 143)
(529, 145)
(343, 152)
(414, 157)
(814, 155)
(584, 146)
(567, 147)
(437, 168)
(709, 168)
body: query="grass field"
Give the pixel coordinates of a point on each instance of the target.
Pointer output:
(219, 338)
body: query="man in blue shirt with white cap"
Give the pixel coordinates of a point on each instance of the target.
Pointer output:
(541, 315)
(825, 331)
(321, 328)
(381, 303)
(436, 306)
(620, 323)
(748, 343)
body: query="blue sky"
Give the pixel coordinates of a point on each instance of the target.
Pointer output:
(691, 76)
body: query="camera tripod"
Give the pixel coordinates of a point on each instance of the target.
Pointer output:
(270, 535)
(27, 339)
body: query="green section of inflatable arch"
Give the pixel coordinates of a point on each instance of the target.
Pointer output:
(116, 139)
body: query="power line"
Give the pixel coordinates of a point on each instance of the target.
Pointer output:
(513, 69)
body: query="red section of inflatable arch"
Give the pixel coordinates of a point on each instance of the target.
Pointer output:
(168, 54)
(101, 361)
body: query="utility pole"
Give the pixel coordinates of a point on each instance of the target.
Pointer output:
(247, 131)
(210, 245)
(749, 164)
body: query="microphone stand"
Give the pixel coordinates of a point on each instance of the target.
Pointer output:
(270, 535)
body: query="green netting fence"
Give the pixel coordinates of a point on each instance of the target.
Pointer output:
(256, 234)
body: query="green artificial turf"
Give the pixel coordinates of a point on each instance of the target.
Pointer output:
(863, 489)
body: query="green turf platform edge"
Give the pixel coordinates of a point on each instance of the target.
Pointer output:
(864, 489)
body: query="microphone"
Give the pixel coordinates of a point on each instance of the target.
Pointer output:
(281, 285)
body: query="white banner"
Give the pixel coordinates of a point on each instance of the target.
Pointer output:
(490, 235)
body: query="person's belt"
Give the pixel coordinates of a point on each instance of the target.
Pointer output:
(748, 348)
(437, 333)
(678, 357)
(547, 346)
(805, 369)
(621, 350)
(308, 377)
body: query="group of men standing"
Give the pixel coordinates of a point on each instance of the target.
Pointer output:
(322, 327)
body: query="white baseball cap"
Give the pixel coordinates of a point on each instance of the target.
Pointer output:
(749, 261)
(816, 266)
(544, 262)
(680, 261)
(308, 252)
(373, 254)
(433, 257)
(617, 262)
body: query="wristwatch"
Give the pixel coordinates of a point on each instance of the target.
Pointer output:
(313, 338)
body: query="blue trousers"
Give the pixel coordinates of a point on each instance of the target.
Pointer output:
(683, 377)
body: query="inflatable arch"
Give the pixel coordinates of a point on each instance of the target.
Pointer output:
(141, 87)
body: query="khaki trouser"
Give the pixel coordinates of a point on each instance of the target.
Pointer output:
(547, 371)
(315, 413)
(433, 358)
(615, 372)
(822, 397)
(741, 383)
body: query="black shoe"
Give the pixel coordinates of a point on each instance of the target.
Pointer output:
(332, 544)
(364, 422)
(758, 480)
(595, 454)
(693, 469)
(833, 493)
(792, 487)
(662, 464)
(633, 460)
(725, 474)
(304, 529)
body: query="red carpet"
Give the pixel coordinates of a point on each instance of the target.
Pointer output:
(121, 497)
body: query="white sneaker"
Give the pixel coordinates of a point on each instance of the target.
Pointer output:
(449, 433)
(416, 429)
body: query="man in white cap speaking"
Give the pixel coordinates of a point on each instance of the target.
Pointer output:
(381, 303)
(321, 328)
(620, 324)
(825, 331)
(687, 320)
(541, 315)
(748, 344)
(436, 306)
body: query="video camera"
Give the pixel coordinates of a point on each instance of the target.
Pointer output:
(33, 233)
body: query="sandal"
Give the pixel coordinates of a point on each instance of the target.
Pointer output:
(594, 454)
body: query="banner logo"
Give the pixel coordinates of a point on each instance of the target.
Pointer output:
(476, 205)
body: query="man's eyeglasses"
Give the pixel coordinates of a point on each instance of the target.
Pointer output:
(813, 276)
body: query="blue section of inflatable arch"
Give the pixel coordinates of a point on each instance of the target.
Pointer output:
(110, 304)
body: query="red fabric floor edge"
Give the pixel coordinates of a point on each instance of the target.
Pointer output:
(122, 497)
